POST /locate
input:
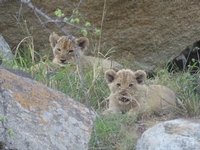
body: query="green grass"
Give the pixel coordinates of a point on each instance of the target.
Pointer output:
(115, 131)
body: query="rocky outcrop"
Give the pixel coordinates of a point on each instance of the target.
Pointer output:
(5, 50)
(34, 116)
(177, 134)
(143, 34)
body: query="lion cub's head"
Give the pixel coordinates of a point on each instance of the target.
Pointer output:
(63, 48)
(124, 84)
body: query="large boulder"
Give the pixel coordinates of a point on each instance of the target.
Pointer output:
(143, 34)
(179, 134)
(36, 117)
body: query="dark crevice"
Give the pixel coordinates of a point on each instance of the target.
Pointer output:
(187, 60)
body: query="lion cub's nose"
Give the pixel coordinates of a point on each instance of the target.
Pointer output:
(62, 61)
(124, 94)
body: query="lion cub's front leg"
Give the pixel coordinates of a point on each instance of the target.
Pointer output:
(134, 111)
(142, 109)
(110, 111)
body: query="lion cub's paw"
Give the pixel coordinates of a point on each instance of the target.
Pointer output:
(110, 111)
(134, 111)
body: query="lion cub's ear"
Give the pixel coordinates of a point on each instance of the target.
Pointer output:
(140, 76)
(83, 43)
(53, 38)
(110, 75)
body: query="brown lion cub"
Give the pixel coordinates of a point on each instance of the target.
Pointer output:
(129, 93)
(63, 50)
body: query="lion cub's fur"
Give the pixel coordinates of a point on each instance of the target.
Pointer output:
(129, 93)
(63, 50)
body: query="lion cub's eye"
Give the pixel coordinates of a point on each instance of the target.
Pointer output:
(130, 85)
(58, 49)
(118, 84)
(71, 51)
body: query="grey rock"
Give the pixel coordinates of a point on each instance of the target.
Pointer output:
(149, 33)
(17, 72)
(41, 118)
(5, 51)
(179, 134)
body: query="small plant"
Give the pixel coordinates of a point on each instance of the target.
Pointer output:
(10, 132)
(59, 13)
(3, 118)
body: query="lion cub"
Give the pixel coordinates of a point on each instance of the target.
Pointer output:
(63, 50)
(129, 93)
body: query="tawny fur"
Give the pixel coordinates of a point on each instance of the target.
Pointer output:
(63, 50)
(129, 93)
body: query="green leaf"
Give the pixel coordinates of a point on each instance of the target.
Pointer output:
(75, 12)
(76, 20)
(98, 32)
(84, 31)
(72, 21)
(65, 19)
(3, 118)
(87, 24)
(59, 13)
(10, 132)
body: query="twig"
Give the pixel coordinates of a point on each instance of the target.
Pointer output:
(103, 16)
(32, 49)
(49, 19)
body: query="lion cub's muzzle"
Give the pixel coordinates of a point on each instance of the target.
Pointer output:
(124, 97)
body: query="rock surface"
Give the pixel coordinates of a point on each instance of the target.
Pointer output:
(144, 33)
(5, 50)
(177, 134)
(35, 117)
